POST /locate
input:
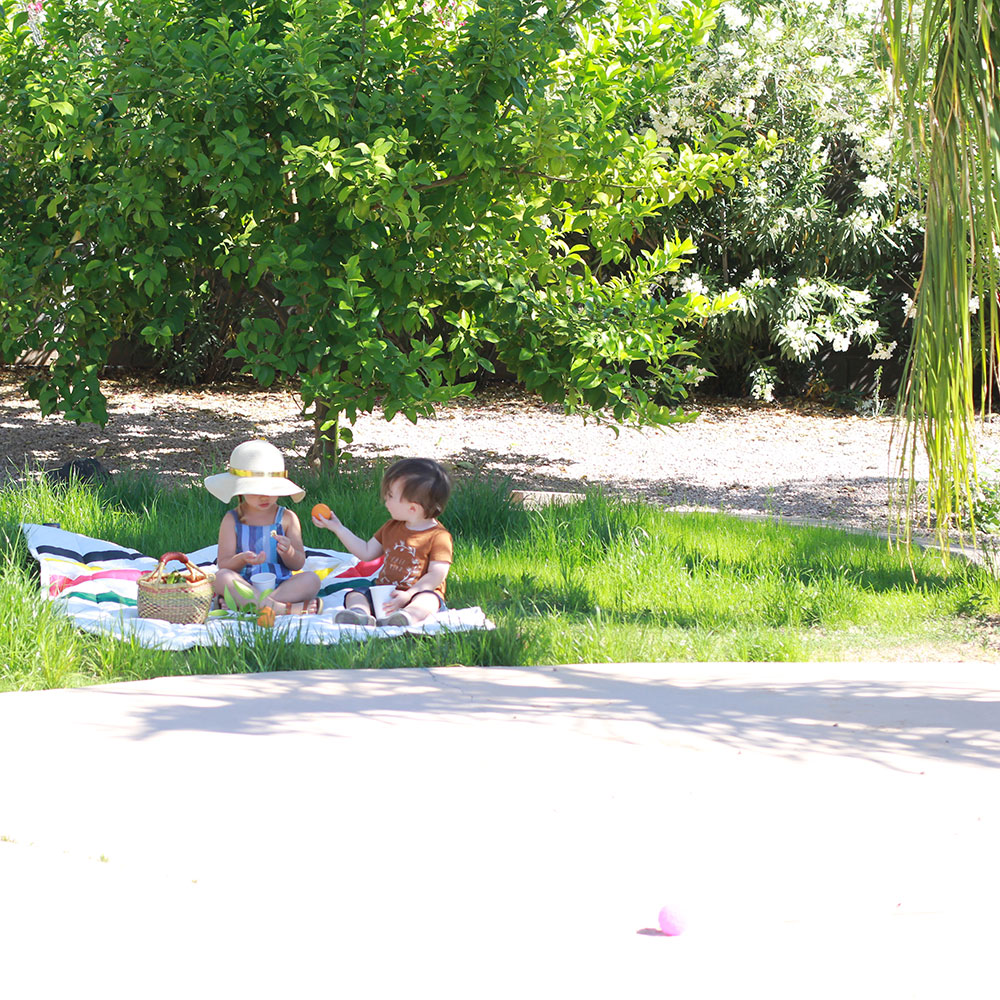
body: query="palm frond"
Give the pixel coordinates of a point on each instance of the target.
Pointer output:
(945, 78)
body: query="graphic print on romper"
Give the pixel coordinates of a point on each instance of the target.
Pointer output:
(402, 567)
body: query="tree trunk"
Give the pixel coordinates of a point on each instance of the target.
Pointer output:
(324, 452)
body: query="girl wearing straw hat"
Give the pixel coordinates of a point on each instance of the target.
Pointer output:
(259, 536)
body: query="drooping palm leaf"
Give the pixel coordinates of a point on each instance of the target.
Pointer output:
(942, 55)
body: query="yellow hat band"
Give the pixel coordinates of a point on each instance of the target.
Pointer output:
(254, 475)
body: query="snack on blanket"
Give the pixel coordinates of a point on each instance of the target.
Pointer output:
(323, 511)
(266, 618)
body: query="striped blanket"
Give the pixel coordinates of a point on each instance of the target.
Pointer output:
(94, 583)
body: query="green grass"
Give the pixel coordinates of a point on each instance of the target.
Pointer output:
(600, 580)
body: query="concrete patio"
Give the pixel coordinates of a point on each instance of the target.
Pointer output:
(825, 830)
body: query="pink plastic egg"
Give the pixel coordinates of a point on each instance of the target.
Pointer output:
(670, 923)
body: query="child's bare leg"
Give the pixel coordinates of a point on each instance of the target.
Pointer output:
(422, 606)
(356, 601)
(356, 610)
(298, 589)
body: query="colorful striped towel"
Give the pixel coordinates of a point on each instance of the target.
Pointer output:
(94, 582)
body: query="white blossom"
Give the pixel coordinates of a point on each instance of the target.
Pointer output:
(733, 16)
(873, 187)
(883, 352)
(868, 329)
(756, 281)
(881, 143)
(863, 223)
(664, 122)
(693, 285)
(798, 339)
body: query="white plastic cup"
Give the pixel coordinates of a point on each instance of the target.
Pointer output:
(263, 584)
(379, 596)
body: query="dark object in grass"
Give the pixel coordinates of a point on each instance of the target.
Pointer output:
(84, 470)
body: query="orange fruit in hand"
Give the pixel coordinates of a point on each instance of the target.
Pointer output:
(266, 618)
(321, 510)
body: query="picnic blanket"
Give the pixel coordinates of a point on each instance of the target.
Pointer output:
(94, 582)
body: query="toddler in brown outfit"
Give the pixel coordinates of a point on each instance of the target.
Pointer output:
(417, 548)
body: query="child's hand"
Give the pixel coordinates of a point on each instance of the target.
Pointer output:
(253, 558)
(282, 544)
(329, 523)
(395, 601)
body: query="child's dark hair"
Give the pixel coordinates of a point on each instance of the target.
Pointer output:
(423, 482)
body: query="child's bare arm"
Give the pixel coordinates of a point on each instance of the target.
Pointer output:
(291, 548)
(437, 573)
(228, 557)
(358, 547)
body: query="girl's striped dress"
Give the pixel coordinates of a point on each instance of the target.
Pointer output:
(257, 538)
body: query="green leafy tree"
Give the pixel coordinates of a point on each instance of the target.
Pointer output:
(376, 199)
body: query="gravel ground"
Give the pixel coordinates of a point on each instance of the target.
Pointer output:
(801, 462)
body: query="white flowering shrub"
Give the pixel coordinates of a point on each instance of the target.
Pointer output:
(817, 245)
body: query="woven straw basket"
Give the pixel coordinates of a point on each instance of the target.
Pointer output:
(184, 603)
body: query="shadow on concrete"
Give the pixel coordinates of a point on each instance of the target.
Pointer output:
(854, 718)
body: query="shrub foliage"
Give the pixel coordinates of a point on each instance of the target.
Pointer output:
(377, 199)
(822, 242)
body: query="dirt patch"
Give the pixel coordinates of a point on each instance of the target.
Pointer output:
(795, 462)
(738, 457)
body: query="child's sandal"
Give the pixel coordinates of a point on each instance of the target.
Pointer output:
(350, 616)
(314, 606)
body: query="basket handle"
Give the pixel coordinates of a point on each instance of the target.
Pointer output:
(194, 572)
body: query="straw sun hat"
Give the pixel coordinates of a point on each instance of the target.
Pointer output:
(254, 467)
